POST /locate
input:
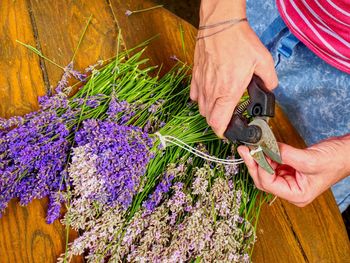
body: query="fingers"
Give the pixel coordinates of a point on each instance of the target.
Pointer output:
(201, 104)
(296, 158)
(221, 114)
(195, 72)
(251, 165)
(194, 88)
(225, 97)
(265, 69)
(282, 183)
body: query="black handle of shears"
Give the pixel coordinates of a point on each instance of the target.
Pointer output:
(262, 103)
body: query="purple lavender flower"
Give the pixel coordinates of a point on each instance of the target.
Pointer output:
(123, 155)
(163, 187)
(93, 103)
(78, 75)
(116, 107)
(93, 67)
(231, 169)
(67, 74)
(128, 13)
(155, 107)
(6, 124)
(174, 57)
(33, 157)
(53, 102)
(63, 83)
(55, 200)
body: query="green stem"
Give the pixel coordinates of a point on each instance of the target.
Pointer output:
(81, 37)
(33, 49)
(146, 9)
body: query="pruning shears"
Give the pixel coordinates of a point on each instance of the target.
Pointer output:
(256, 134)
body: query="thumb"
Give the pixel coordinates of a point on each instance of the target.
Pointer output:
(296, 158)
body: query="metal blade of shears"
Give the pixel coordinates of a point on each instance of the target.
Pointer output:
(266, 146)
(259, 156)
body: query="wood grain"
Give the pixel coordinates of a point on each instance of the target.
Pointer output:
(59, 26)
(24, 234)
(159, 23)
(21, 79)
(286, 233)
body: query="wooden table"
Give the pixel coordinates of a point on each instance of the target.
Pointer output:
(286, 233)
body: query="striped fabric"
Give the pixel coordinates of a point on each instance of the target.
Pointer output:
(323, 26)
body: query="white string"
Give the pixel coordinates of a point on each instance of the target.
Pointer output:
(173, 140)
(254, 151)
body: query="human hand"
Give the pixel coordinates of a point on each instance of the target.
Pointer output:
(304, 174)
(224, 65)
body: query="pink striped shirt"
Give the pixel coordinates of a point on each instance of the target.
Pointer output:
(323, 26)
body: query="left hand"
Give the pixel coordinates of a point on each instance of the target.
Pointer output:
(304, 174)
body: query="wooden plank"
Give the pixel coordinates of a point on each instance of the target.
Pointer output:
(285, 233)
(21, 79)
(275, 238)
(24, 234)
(174, 36)
(60, 25)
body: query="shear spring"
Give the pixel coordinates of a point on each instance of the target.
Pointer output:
(242, 107)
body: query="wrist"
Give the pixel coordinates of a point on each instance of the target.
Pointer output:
(213, 11)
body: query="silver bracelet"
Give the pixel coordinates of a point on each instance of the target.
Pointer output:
(231, 21)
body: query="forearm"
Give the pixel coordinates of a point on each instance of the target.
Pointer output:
(213, 11)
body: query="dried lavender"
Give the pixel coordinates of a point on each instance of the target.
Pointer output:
(123, 153)
(105, 173)
(67, 74)
(184, 228)
(181, 229)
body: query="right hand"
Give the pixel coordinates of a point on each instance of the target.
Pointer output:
(223, 68)
(304, 174)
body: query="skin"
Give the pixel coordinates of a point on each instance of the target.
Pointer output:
(304, 174)
(223, 67)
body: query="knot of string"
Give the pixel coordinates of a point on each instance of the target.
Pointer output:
(164, 139)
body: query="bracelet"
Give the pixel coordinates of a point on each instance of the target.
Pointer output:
(231, 23)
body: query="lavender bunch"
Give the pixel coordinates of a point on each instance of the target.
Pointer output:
(97, 152)
(35, 149)
(121, 155)
(102, 225)
(199, 221)
(33, 157)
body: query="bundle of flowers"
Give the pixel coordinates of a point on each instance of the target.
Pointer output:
(132, 196)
